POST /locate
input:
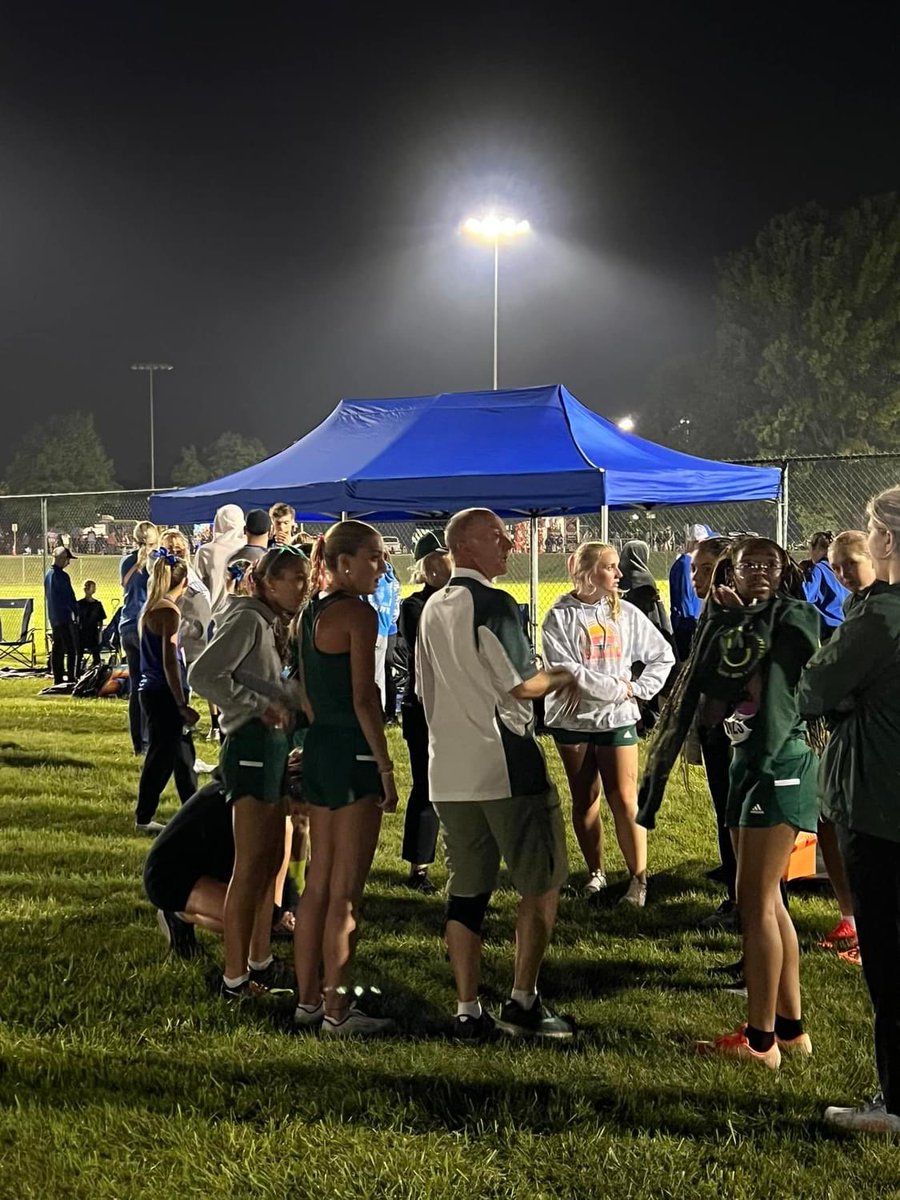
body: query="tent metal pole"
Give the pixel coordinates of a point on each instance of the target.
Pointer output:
(343, 515)
(784, 506)
(496, 306)
(604, 523)
(535, 576)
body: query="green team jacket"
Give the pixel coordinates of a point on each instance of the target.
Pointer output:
(854, 680)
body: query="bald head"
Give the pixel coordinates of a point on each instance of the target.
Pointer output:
(477, 539)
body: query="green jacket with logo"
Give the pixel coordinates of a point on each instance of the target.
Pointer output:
(854, 680)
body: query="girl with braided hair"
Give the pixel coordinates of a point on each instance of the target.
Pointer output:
(756, 635)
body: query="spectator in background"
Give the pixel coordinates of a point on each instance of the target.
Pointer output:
(390, 682)
(193, 603)
(821, 586)
(639, 588)
(256, 537)
(386, 602)
(420, 824)
(62, 613)
(91, 616)
(212, 558)
(282, 519)
(684, 603)
(133, 574)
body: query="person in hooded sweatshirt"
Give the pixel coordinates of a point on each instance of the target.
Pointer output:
(638, 586)
(240, 671)
(211, 559)
(821, 586)
(591, 633)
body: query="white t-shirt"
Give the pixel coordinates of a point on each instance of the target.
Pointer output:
(470, 653)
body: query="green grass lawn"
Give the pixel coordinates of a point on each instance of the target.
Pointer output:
(121, 1075)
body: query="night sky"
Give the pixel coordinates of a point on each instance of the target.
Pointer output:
(269, 197)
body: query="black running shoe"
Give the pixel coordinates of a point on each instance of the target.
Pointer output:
(248, 990)
(418, 881)
(537, 1022)
(735, 969)
(277, 978)
(473, 1031)
(179, 934)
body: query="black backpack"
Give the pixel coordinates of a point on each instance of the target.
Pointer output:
(92, 681)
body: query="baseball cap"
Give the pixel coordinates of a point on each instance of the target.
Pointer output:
(257, 522)
(61, 550)
(429, 543)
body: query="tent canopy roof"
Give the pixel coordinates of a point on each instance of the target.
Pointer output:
(526, 450)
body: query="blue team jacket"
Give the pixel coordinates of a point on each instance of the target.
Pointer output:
(59, 594)
(684, 603)
(828, 595)
(386, 602)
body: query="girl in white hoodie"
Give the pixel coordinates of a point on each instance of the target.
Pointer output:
(618, 657)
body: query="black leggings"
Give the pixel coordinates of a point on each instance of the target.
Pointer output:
(131, 645)
(171, 749)
(420, 825)
(716, 762)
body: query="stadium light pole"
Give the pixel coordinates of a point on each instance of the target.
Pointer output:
(494, 229)
(151, 368)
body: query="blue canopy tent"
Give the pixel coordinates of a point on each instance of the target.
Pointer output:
(527, 451)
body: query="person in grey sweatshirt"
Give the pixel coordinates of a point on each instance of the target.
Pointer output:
(240, 671)
(619, 658)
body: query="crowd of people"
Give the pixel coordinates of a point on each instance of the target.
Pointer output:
(777, 676)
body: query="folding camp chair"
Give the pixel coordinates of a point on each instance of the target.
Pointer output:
(19, 649)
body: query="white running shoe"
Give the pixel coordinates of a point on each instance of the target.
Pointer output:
(869, 1118)
(204, 768)
(595, 884)
(356, 1023)
(308, 1018)
(636, 895)
(150, 828)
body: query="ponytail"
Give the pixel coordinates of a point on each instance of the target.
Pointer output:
(166, 572)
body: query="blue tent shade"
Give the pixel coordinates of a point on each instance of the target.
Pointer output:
(528, 450)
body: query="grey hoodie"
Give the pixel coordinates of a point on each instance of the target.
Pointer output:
(211, 561)
(240, 669)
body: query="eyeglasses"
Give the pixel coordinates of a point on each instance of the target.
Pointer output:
(746, 567)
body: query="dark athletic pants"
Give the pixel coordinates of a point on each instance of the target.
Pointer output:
(131, 645)
(716, 762)
(64, 652)
(170, 750)
(390, 683)
(420, 825)
(873, 868)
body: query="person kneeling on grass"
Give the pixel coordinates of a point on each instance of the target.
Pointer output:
(186, 875)
(240, 671)
(601, 639)
(476, 677)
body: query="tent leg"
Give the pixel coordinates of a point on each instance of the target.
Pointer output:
(343, 516)
(533, 588)
(604, 523)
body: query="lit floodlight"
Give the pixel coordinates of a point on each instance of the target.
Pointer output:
(626, 424)
(492, 227)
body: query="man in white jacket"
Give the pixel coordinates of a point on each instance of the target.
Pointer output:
(211, 560)
(619, 658)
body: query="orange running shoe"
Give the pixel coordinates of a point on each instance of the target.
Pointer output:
(800, 1045)
(843, 932)
(735, 1045)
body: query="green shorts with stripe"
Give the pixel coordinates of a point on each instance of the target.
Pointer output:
(338, 767)
(787, 797)
(626, 736)
(253, 762)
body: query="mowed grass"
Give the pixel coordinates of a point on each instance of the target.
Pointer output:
(121, 1074)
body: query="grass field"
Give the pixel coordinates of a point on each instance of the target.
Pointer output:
(121, 1075)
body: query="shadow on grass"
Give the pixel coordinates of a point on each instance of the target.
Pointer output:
(37, 759)
(329, 1091)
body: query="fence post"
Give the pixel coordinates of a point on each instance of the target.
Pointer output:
(535, 577)
(44, 541)
(785, 509)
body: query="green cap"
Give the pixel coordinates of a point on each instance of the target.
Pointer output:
(429, 543)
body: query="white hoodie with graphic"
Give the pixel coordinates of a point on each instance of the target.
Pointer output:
(600, 652)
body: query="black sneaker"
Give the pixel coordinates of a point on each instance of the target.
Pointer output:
(418, 881)
(179, 934)
(248, 990)
(473, 1031)
(725, 918)
(735, 969)
(537, 1022)
(277, 978)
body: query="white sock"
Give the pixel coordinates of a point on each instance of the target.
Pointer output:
(310, 1008)
(525, 999)
(259, 966)
(236, 981)
(468, 1008)
(850, 918)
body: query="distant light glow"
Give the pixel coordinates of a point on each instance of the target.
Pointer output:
(626, 424)
(492, 227)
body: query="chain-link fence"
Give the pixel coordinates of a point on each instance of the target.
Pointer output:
(819, 494)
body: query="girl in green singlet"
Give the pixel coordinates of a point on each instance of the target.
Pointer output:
(348, 778)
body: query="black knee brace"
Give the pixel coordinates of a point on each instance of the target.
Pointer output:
(469, 911)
